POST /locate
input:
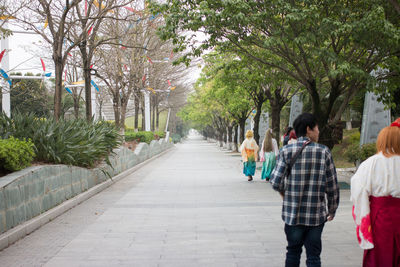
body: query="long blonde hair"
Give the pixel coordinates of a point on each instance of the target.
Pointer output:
(267, 145)
(249, 134)
(388, 141)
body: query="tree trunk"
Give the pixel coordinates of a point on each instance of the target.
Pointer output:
(124, 104)
(87, 77)
(143, 118)
(242, 124)
(276, 119)
(116, 107)
(157, 118)
(224, 136)
(257, 122)
(221, 137)
(229, 139)
(235, 138)
(76, 106)
(137, 105)
(58, 85)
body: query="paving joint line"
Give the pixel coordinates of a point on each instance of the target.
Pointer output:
(13, 235)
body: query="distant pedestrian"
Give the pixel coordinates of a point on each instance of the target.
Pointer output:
(249, 150)
(375, 192)
(292, 137)
(269, 151)
(286, 136)
(305, 176)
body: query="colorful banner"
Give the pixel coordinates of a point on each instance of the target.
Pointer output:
(43, 66)
(5, 75)
(90, 30)
(2, 55)
(68, 90)
(95, 85)
(78, 82)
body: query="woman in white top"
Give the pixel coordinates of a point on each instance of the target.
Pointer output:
(375, 192)
(269, 151)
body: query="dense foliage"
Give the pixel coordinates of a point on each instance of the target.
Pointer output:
(74, 142)
(15, 154)
(329, 48)
(141, 136)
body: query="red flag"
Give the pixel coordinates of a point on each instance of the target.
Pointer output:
(69, 54)
(85, 7)
(144, 78)
(2, 54)
(129, 8)
(91, 66)
(126, 68)
(169, 83)
(43, 66)
(65, 75)
(90, 30)
(151, 62)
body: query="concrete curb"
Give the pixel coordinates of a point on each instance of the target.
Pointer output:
(20, 231)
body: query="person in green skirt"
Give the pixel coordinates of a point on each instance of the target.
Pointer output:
(268, 153)
(249, 150)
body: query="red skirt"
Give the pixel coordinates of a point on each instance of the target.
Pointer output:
(385, 223)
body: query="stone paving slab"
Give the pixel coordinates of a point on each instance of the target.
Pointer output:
(190, 207)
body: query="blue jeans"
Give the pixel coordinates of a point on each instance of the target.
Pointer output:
(310, 237)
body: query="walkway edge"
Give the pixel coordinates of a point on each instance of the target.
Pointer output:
(20, 231)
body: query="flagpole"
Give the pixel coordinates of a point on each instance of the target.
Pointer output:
(5, 65)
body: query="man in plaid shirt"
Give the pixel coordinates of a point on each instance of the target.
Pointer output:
(311, 194)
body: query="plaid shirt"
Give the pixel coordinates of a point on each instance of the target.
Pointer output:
(312, 176)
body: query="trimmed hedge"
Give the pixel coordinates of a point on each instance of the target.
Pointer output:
(143, 136)
(15, 154)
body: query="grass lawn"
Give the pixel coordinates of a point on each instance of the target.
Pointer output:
(339, 149)
(130, 121)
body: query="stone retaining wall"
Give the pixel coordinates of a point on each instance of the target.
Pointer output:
(34, 190)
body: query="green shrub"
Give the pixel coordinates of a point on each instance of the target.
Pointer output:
(160, 134)
(73, 142)
(367, 150)
(356, 153)
(176, 138)
(354, 138)
(15, 154)
(144, 136)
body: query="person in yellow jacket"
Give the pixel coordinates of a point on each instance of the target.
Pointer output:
(249, 150)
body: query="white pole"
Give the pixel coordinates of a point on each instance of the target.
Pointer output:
(147, 110)
(166, 126)
(147, 101)
(94, 107)
(5, 65)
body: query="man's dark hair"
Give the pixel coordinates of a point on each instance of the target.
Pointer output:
(302, 121)
(288, 130)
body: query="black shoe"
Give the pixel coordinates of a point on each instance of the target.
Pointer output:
(250, 178)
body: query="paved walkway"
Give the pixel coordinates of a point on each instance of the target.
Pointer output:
(190, 207)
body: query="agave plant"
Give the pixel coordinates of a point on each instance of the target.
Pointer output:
(72, 142)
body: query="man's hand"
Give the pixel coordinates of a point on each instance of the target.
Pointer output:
(330, 217)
